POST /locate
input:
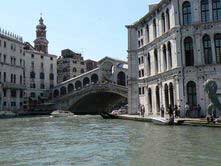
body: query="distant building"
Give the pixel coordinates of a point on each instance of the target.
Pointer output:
(90, 65)
(70, 64)
(40, 68)
(27, 73)
(12, 75)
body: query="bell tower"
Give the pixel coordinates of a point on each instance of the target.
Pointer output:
(41, 42)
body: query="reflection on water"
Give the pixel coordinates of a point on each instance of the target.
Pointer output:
(90, 140)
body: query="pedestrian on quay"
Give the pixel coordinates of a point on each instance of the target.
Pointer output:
(176, 111)
(187, 110)
(162, 111)
(198, 111)
(170, 110)
(142, 111)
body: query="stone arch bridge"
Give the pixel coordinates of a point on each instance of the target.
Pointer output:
(98, 90)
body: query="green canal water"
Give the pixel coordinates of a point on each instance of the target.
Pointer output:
(92, 141)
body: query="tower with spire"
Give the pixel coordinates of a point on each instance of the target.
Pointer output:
(41, 42)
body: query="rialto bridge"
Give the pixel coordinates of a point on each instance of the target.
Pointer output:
(97, 90)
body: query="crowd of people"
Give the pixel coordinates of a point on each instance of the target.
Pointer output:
(174, 111)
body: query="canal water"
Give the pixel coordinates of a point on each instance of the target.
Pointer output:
(92, 141)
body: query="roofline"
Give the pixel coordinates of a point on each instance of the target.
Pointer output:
(143, 19)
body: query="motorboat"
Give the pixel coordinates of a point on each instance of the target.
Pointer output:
(61, 113)
(163, 121)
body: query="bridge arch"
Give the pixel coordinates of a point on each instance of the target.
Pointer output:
(56, 93)
(94, 78)
(121, 78)
(86, 81)
(70, 87)
(63, 91)
(78, 84)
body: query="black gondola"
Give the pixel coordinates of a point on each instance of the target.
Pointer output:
(106, 115)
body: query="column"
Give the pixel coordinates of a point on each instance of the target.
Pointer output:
(133, 90)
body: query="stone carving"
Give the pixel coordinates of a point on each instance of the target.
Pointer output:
(210, 87)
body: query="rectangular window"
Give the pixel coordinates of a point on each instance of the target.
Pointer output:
(4, 92)
(13, 93)
(4, 58)
(5, 44)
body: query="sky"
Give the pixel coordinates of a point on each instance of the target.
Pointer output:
(95, 28)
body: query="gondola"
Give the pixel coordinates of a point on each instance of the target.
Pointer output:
(106, 115)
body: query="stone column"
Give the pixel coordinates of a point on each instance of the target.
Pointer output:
(133, 90)
(1, 97)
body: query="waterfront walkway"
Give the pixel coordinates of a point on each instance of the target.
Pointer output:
(186, 121)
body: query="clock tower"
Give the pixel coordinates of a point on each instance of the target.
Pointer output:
(41, 42)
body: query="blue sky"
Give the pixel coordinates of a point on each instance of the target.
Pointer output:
(95, 28)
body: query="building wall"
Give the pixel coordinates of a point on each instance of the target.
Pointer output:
(172, 70)
(11, 72)
(70, 67)
(43, 63)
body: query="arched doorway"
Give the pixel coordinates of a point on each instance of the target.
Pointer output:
(150, 100)
(70, 88)
(157, 99)
(121, 79)
(63, 90)
(191, 94)
(78, 85)
(166, 94)
(171, 94)
(94, 78)
(86, 81)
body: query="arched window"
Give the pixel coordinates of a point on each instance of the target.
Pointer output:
(74, 70)
(204, 10)
(186, 13)
(148, 64)
(94, 78)
(157, 99)
(86, 81)
(121, 79)
(165, 57)
(166, 94)
(148, 33)
(163, 22)
(168, 19)
(78, 85)
(216, 5)
(217, 39)
(171, 94)
(189, 54)
(51, 76)
(207, 49)
(156, 61)
(191, 93)
(154, 28)
(170, 61)
(70, 88)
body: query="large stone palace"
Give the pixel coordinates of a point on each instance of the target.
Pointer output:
(27, 72)
(172, 51)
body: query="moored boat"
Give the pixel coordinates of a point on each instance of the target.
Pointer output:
(106, 115)
(61, 113)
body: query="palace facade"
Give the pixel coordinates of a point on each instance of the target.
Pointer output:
(172, 51)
